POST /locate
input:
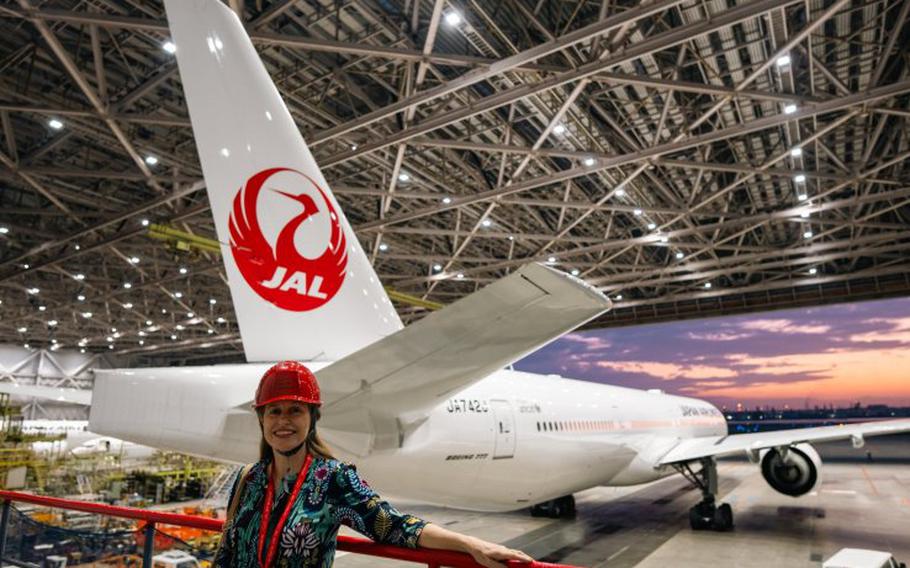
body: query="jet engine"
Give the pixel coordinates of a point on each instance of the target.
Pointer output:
(793, 470)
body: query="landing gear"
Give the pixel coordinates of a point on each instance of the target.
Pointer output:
(706, 514)
(561, 508)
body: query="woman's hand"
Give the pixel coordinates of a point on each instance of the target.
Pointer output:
(489, 553)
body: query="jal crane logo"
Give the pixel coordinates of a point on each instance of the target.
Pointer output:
(280, 274)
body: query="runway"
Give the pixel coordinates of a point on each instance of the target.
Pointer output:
(858, 505)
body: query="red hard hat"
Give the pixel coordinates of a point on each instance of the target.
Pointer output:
(287, 380)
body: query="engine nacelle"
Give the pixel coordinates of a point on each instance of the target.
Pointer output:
(794, 471)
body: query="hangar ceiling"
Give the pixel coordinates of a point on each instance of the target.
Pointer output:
(688, 158)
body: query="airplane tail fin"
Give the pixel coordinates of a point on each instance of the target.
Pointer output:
(301, 284)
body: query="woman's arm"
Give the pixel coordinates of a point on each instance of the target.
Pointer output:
(484, 553)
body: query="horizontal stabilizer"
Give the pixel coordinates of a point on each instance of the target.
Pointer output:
(717, 446)
(416, 368)
(57, 394)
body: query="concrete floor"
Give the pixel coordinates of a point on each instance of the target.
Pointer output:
(858, 505)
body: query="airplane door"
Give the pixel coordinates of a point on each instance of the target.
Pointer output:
(503, 429)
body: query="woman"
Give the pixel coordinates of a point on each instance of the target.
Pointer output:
(302, 494)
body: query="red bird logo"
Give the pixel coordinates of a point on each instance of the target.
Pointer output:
(282, 275)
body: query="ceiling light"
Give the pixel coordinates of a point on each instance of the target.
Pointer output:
(221, 320)
(76, 246)
(804, 214)
(4, 230)
(33, 290)
(652, 226)
(180, 327)
(447, 200)
(664, 239)
(437, 267)
(148, 322)
(82, 351)
(620, 192)
(453, 18)
(134, 260)
(680, 255)
(790, 109)
(169, 47)
(796, 152)
(619, 296)
(22, 329)
(54, 340)
(383, 247)
(225, 152)
(86, 315)
(211, 331)
(802, 197)
(783, 61)
(486, 222)
(80, 297)
(173, 337)
(127, 285)
(551, 260)
(353, 147)
(182, 270)
(151, 160)
(637, 212)
(559, 129)
(178, 294)
(813, 270)
(110, 347)
(145, 222)
(190, 315)
(128, 306)
(109, 339)
(807, 235)
(799, 178)
(141, 333)
(459, 276)
(707, 284)
(25, 266)
(403, 176)
(79, 276)
(575, 272)
(118, 334)
(113, 329)
(55, 124)
(589, 161)
(213, 301)
(26, 345)
(141, 342)
(52, 323)
(42, 308)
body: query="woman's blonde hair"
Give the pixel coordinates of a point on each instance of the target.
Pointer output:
(314, 444)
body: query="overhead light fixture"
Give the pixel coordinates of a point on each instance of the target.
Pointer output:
(33, 290)
(353, 147)
(403, 176)
(25, 266)
(707, 284)
(212, 301)
(551, 260)
(225, 152)
(141, 333)
(76, 246)
(807, 235)
(127, 285)
(619, 296)
(383, 247)
(589, 161)
(145, 222)
(453, 18)
(799, 178)
(134, 260)
(190, 314)
(802, 197)
(664, 239)
(86, 315)
(52, 323)
(680, 255)
(148, 322)
(783, 61)
(141, 342)
(173, 337)
(796, 152)
(169, 47)
(447, 200)
(151, 160)
(637, 212)
(559, 129)
(178, 295)
(789, 109)
(4, 230)
(182, 270)
(111, 347)
(128, 306)
(22, 329)
(813, 270)
(804, 214)
(55, 124)
(652, 226)
(221, 320)
(42, 308)
(459, 276)
(575, 272)
(211, 331)
(79, 276)
(486, 222)
(80, 297)
(437, 267)
(179, 327)
(620, 192)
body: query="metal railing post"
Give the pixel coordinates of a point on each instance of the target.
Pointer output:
(149, 547)
(4, 524)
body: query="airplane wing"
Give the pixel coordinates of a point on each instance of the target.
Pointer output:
(716, 446)
(73, 396)
(416, 368)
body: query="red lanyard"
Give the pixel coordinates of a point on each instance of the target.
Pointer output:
(267, 510)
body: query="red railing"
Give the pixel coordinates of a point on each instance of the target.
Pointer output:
(432, 558)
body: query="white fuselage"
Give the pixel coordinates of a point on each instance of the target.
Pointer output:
(509, 441)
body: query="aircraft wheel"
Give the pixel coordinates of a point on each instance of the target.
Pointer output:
(723, 517)
(701, 517)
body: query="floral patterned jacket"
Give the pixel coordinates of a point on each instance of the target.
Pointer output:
(332, 494)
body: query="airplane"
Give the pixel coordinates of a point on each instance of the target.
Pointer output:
(432, 411)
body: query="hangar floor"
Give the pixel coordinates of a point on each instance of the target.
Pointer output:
(859, 505)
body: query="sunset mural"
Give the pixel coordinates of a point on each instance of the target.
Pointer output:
(838, 355)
